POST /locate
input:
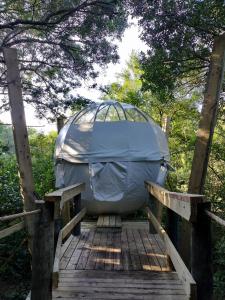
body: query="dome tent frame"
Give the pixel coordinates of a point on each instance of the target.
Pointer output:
(112, 155)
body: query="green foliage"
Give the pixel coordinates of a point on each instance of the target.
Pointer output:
(59, 44)
(10, 199)
(183, 109)
(15, 270)
(42, 148)
(180, 36)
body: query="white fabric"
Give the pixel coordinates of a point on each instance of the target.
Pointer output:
(112, 141)
(111, 187)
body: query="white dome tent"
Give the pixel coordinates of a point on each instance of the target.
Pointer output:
(113, 147)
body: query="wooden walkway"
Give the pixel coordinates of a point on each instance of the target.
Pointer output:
(126, 263)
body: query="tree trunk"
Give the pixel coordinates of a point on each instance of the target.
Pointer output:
(208, 117)
(204, 135)
(20, 137)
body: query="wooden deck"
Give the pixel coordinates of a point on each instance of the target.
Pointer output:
(126, 263)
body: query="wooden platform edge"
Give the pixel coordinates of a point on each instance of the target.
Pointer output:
(109, 221)
(183, 273)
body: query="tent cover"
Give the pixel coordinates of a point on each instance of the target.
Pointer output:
(113, 147)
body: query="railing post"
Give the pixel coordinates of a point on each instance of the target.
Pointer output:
(43, 253)
(201, 256)
(172, 226)
(77, 208)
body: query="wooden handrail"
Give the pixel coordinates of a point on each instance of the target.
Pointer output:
(62, 234)
(196, 210)
(65, 194)
(76, 219)
(12, 229)
(185, 205)
(182, 271)
(215, 218)
(19, 215)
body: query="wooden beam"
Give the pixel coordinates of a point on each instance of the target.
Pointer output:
(182, 271)
(20, 136)
(10, 230)
(43, 252)
(69, 227)
(215, 218)
(56, 266)
(185, 205)
(66, 208)
(19, 215)
(65, 194)
(201, 253)
(77, 209)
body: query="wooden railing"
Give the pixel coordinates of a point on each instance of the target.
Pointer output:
(48, 236)
(193, 209)
(18, 226)
(61, 198)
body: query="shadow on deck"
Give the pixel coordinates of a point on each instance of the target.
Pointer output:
(126, 263)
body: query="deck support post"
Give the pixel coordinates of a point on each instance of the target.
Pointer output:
(201, 258)
(77, 208)
(20, 135)
(43, 253)
(172, 226)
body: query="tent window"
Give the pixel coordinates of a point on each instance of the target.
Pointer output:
(135, 116)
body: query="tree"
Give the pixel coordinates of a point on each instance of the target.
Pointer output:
(187, 43)
(183, 112)
(60, 43)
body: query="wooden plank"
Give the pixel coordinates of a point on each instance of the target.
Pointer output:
(69, 227)
(215, 218)
(123, 290)
(101, 254)
(66, 245)
(66, 193)
(20, 135)
(136, 263)
(43, 254)
(150, 251)
(72, 264)
(182, 271)
(109, 258)
(106, 221)
(161, 255)
(121, 281)
(115, 296)
(126, 259)
(118, 221)
(141, 250)
(91, 262)
(69, 252)
(55, 275)
(100, 221)
(86, 251)
(110, 221)
(12, 229)
(185, 205)
(23, 214)
(118, 275)
(201, 253)
(117, 254)
(117, 285)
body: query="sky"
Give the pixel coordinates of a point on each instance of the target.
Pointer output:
(130, 41)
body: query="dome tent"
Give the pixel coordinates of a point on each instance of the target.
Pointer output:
(112, 147)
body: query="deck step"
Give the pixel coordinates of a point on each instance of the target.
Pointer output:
(109, 221)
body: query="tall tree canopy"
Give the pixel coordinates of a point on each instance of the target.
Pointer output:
(180, 35)
(59, 44)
